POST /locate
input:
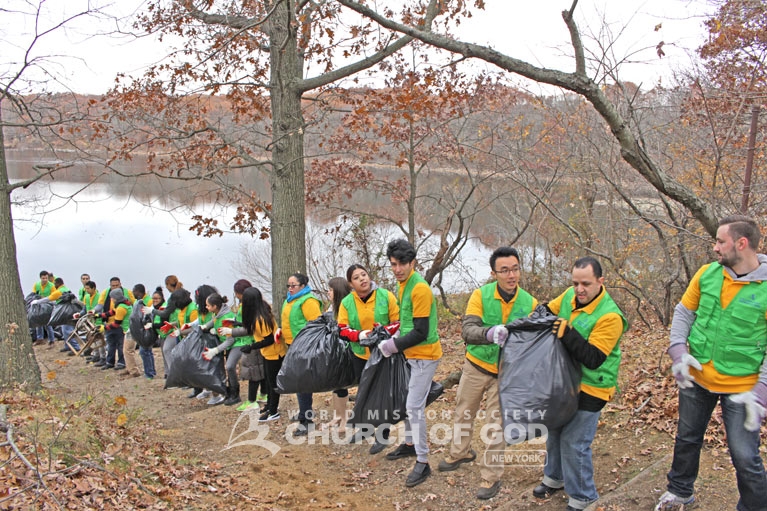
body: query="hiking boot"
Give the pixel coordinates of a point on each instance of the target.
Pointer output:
(488, 491)
(418, 475)
(402, 451)
(671, 501)
(544, 491)
(448, 465)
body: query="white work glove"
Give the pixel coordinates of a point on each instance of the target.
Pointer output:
(208, 354)
(38, 301)
(387, 347)
(681, 370)
(497, 335)
(225, 331)
(147, 326)
(755, 406)
(364, 335)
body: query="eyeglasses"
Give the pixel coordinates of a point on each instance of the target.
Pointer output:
(506, 271)
(291, 286)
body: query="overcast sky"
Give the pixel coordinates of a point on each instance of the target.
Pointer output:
(533, 31)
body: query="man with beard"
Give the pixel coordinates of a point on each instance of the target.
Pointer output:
(717, 344)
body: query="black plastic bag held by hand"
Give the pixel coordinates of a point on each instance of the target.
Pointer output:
(144, 337)
(382, 393)
(318, 360)
(187, 368)
(39, 314)
(538, 382)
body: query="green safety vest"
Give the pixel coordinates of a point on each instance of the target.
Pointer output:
(43, 291)
(487, 354)
(735, 338)
(606, 375)
(406, 311)
(217, 323)
(296, 318)
(380, 315)
(241, 341)
(125, 323)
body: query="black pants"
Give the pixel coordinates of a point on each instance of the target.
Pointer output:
(272, 368)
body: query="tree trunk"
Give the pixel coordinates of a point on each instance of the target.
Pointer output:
(18, 365)
(287, 178)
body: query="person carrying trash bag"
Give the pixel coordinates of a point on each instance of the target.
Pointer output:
(590, 325)
(300, 307)
(419, 342)
(218, 315)
(205, 319)
(116, 323)
(490, 309)
(359, 312)
(181, 309)
(43, 288)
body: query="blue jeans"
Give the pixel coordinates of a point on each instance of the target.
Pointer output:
(305, 412)
(66, 331)
(41, 331)
(695, 407)
(115, 339)
(147, 358)
(568, 452)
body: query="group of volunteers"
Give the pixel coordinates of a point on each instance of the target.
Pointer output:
(718, 340)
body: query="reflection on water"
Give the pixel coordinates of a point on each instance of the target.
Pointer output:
(139, 231)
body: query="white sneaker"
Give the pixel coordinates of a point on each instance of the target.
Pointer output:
(205, 394)
(670, 501)
(216, 400)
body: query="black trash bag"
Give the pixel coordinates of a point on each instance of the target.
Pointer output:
(187, 368)
(538, 381)
(64, 308)
(382, 394)
(318, 360)
(31, 297)
(144, 337)
(39, 314)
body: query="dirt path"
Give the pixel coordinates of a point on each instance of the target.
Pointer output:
(322, 474)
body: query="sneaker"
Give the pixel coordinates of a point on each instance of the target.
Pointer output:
(232, 400)
(544, 491)
(245, 404)
(205, 394)
(402, 451)
(100, 363)
(106, 366)
(488, 491)
(119, 367)
(127, 375)
(418, 475)
(216, 400)
(447, 466)
(302, 429)
(266, 417)
(378, 446)
(261, 398)
(194, 393)
(671, 501)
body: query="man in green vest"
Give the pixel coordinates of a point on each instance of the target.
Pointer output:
(717, 344)
(420, 344)
(490, 309)
(44, 287)
(590, 325)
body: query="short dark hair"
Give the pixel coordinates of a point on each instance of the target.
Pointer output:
(587, 261)
(58, 281)
(115, 279)
(43, 273)
(90, 284)
(139, 289)
(301, 278)
(350, 271)
(503, 252)
(742, 226)
(401, 250)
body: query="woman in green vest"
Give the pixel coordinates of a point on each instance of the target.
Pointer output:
(366, 306)
(218, 308)
(300, 307)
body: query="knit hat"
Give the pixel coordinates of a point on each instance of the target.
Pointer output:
(117, 296)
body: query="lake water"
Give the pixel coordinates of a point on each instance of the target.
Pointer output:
(109, 230)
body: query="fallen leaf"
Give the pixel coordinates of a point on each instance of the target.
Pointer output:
(120, 400)
(122, 419)
(51, 375)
